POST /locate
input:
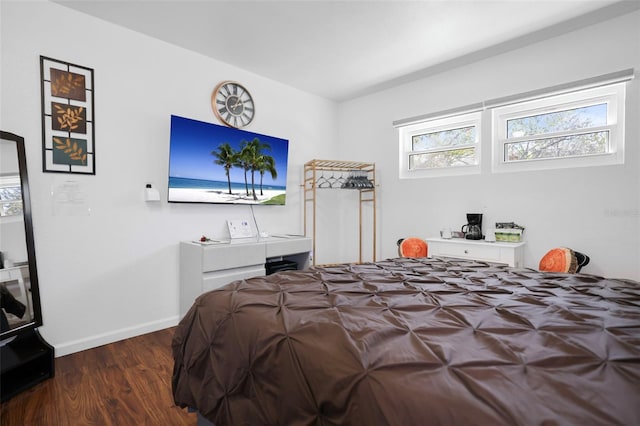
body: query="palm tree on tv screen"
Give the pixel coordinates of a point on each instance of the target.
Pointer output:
(253, 160)
(266, 163)
(226, 157)
(243, 161)
(249, 158)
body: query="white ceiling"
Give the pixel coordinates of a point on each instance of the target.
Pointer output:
(344, 49)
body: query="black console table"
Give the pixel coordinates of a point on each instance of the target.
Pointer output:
(26, 361)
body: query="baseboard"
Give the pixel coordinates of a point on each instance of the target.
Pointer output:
(114, 336)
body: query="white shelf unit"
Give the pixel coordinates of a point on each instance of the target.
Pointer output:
(206, 267)
(367, 196)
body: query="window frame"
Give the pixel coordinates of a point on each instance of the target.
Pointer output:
(438, 124)
(613, 95)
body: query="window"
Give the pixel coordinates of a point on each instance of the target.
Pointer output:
(575, 124)
(583, 128)
(10, 196)
(440, 146)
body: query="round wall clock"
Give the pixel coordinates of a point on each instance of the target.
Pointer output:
(232, 104)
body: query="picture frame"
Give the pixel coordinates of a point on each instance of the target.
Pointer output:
(68, 122)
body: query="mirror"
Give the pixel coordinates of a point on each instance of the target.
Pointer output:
(19, 294)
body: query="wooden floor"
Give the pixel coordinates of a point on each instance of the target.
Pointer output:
(123, 383)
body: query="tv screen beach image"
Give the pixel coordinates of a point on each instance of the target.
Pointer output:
(209, 163)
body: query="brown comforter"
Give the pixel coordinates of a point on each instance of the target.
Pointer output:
(413, 342)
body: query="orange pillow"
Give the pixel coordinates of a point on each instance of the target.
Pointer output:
(412, 247)
(560, 259)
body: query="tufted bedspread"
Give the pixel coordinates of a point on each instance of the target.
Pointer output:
(413, 342)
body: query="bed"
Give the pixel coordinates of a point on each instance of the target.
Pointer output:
(413, 342)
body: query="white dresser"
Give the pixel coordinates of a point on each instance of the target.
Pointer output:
(511, 254)
(205, 267)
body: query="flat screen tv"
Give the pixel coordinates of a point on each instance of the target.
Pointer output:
(209, 163)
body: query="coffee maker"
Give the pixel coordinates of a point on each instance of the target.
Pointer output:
(473, 229)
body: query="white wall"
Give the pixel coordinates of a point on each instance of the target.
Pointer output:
(112, 272)
(595, 211)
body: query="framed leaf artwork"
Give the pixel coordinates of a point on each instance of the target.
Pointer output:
(68, 123)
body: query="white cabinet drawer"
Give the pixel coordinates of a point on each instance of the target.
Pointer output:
(282, 246)
(227, 256)
(217, 279)
(509, 253)
(468, 251)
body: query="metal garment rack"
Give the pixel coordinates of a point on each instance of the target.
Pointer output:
(360, 177)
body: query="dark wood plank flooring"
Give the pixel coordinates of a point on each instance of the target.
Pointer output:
(123, 383)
